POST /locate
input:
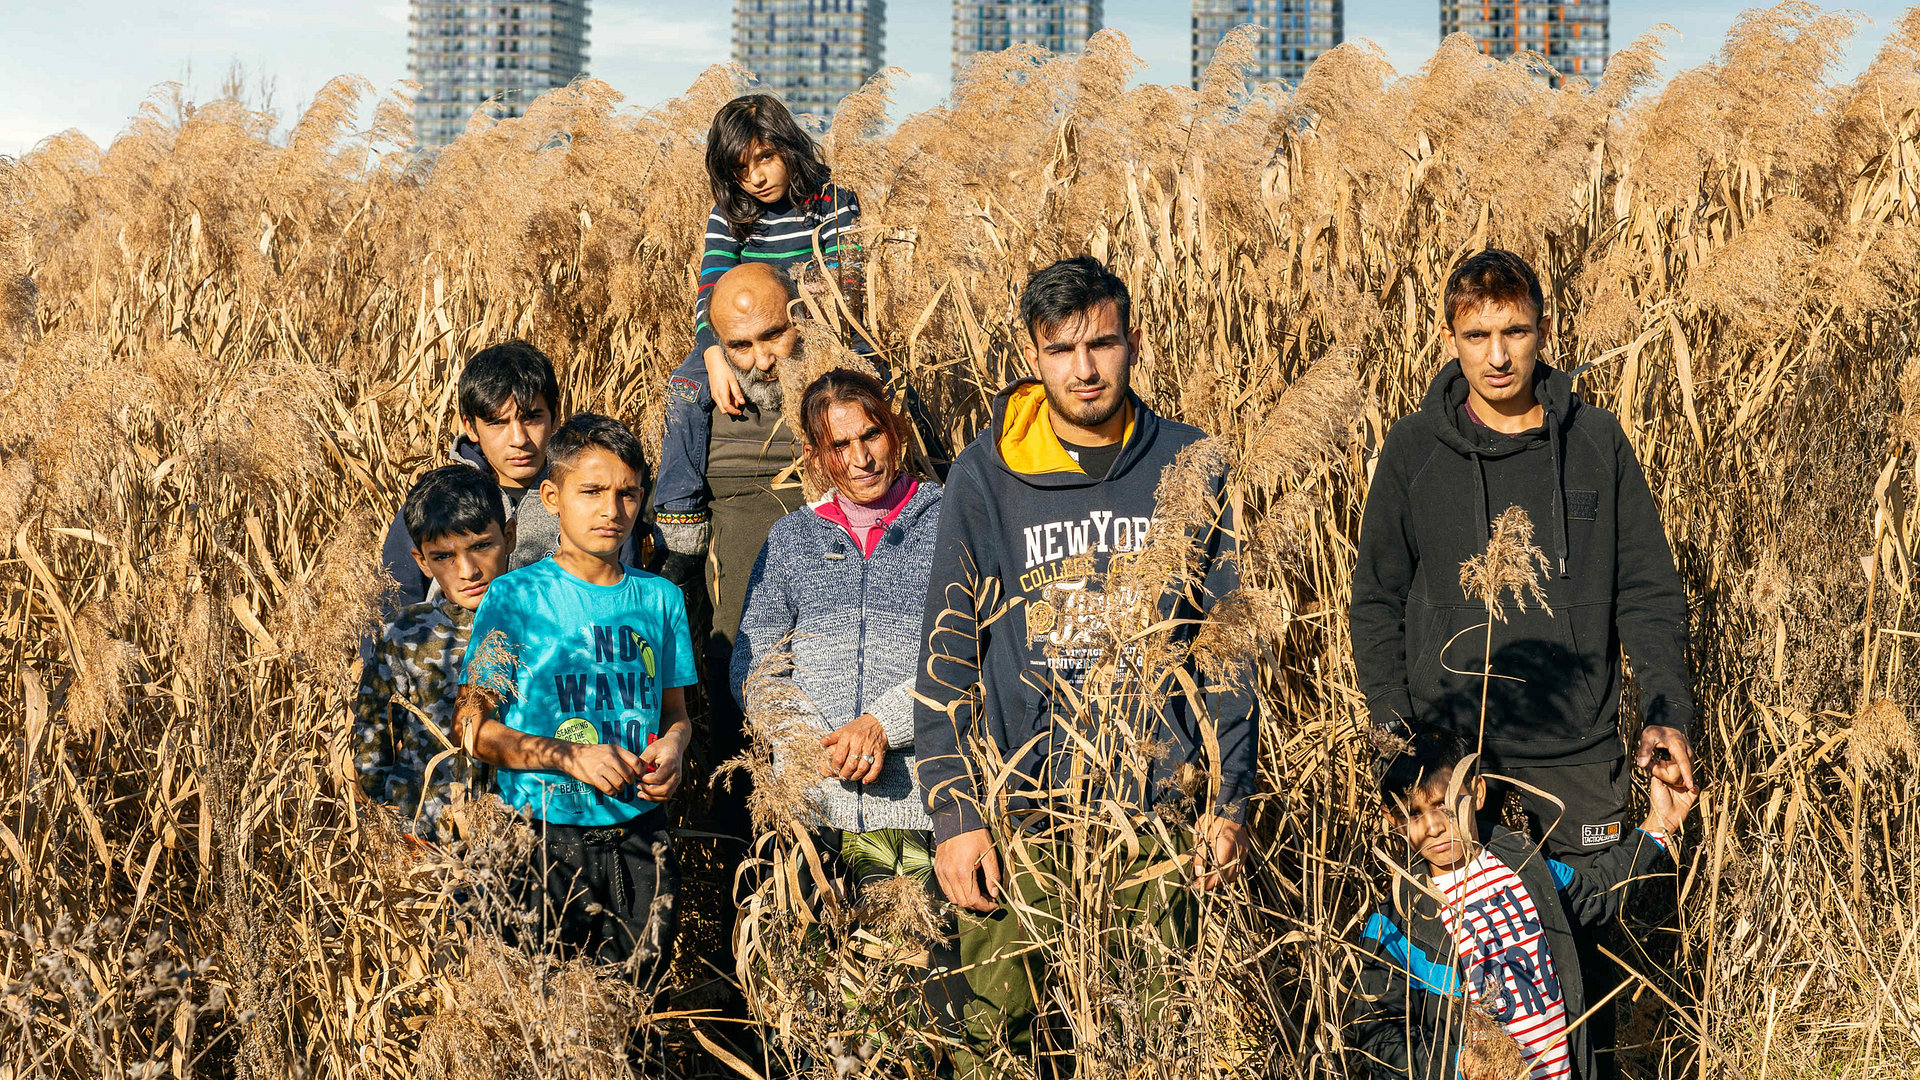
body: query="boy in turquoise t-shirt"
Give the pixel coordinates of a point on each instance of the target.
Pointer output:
(573, 689)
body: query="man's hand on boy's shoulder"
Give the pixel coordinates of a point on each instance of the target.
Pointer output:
(662, 763)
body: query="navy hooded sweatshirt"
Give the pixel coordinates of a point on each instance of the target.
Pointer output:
(1417, 642)
(1017, 541)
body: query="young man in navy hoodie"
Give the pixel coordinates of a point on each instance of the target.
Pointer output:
(1062, 480)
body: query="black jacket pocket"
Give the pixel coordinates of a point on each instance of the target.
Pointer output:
(1426, 639)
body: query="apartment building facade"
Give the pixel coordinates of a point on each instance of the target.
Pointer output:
(982, 26)
(1293, 34)
(811, 53)
(1572, 37)
(464, 55)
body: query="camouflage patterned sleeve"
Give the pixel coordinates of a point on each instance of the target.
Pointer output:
(372, 724)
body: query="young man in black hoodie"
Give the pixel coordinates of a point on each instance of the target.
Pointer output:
(1062, 480)
(1500, 428)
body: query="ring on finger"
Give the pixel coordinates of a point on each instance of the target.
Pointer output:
(868, 758)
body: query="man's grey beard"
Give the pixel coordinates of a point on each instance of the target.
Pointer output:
(763, 390)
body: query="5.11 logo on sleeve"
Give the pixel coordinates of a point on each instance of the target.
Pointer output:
(1599, 835)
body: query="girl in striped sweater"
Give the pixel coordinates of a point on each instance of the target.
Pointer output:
(772, 196)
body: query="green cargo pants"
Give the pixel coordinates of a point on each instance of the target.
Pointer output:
(1006, 954)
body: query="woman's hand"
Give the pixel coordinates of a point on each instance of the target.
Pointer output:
(856, 750)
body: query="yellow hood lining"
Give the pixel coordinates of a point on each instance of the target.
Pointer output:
(1027, 442)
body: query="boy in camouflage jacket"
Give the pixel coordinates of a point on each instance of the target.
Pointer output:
(461, 539)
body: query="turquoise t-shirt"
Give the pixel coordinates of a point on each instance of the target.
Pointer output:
(587, 664)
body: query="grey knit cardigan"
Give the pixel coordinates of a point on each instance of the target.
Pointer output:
(855, 626)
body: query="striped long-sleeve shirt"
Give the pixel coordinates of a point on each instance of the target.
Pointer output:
(782, 237)
(1508, 965)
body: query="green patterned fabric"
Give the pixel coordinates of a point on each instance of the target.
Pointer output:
(879, 854)
(418, 661)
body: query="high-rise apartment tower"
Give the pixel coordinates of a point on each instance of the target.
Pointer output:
(811, 53)
(1293, 34)
(992, 25)
(463, 54)
(1573, 37)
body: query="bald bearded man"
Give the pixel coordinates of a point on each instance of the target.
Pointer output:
(724, 480)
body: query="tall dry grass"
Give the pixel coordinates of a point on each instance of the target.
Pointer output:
(223, 357)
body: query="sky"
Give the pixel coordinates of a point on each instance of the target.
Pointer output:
(88, 64)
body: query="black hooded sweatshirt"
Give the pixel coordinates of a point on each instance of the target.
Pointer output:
(1440, 480)
(1017, 543)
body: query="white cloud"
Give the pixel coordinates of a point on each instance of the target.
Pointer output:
(652, 50)
(704, 38)
(263, 21)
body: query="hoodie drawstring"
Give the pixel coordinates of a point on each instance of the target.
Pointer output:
(1480, 493)
(1559, 498)
(1559, 491)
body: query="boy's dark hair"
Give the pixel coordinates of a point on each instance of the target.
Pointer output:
(1493, 277)
(735, 127)
(592, 431)
(452, 500)
(1429, 750)
(511, 370)
(1068, 288)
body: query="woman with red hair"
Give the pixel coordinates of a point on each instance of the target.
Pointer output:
(843, 583)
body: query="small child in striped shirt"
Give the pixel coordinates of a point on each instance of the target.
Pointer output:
(1488, 925)
(772, 199)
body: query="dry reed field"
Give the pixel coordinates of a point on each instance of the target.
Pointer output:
(223, 356)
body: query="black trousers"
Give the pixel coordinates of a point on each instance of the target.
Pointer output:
(605, 891)
(1596, 797)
